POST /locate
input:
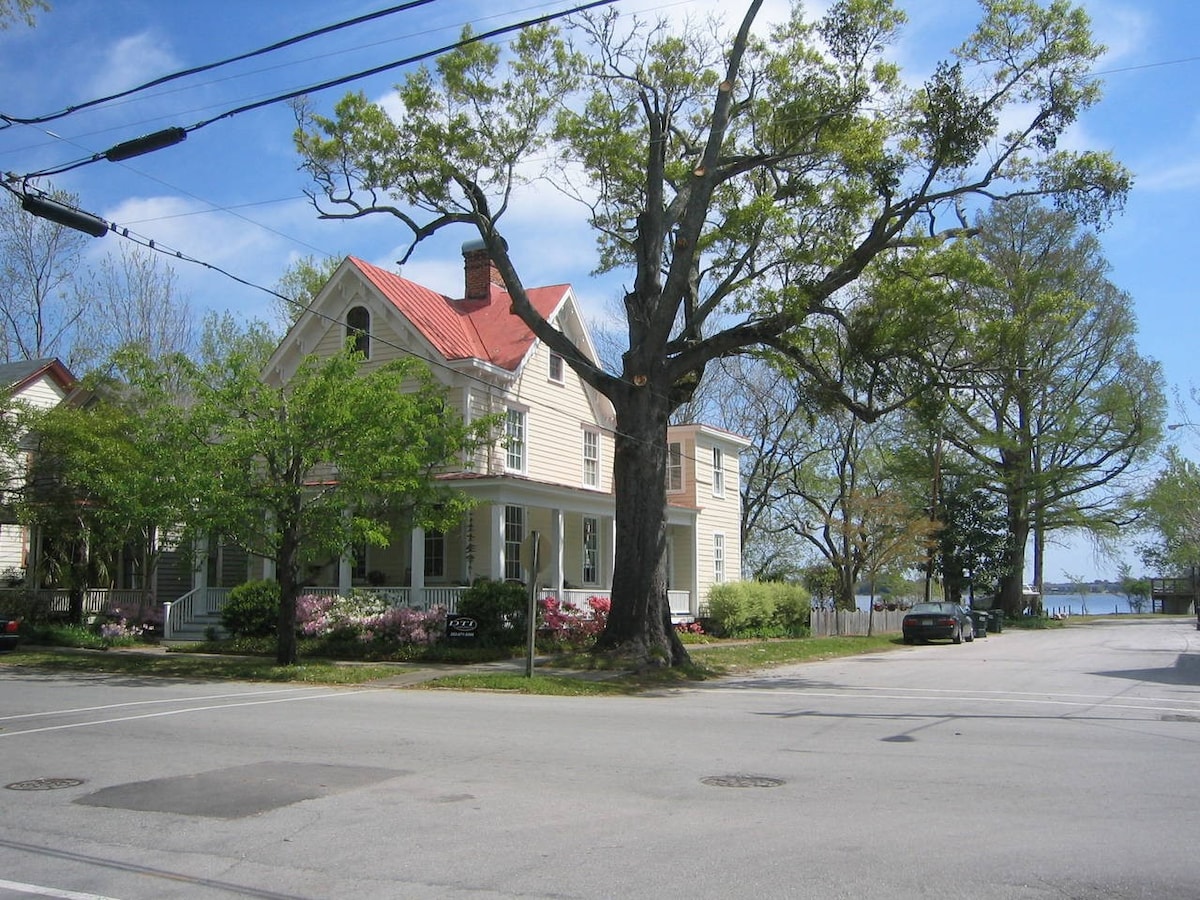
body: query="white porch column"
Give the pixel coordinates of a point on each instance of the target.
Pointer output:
(200, 564)
(416, 556)
(694, 587)
(554, 575)
(610, 558)
(496, 561)
(345, 566)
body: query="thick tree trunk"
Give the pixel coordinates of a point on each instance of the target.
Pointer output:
(846, 598)
(289, 589)
(639, 624)
(79, 581)
(1012, 583)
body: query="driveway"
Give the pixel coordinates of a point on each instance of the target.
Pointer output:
(1026, 765)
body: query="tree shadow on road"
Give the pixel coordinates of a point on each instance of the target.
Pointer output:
(1185, 670)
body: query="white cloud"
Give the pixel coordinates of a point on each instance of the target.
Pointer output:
(1124, 30)
(134, 60)
(1180, 177)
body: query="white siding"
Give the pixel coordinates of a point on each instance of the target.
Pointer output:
(558, 415)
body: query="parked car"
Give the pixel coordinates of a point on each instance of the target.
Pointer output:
(9, 632)
(930, 621)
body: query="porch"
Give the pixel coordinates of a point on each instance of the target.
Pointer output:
(57, 601)
(191, 616)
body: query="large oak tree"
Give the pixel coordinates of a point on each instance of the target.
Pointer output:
(741, 182)
(1049, 396)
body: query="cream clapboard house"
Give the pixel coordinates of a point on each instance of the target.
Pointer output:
(550, 473)
(40, 384)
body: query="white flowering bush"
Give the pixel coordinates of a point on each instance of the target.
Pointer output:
(369, 620)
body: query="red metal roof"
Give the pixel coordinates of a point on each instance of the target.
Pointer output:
(460, 329)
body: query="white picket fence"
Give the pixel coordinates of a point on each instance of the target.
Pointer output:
(826, 622)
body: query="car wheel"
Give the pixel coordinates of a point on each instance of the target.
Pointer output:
(957, 636)
(909, 640)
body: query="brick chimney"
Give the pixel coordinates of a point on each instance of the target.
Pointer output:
(481, 273)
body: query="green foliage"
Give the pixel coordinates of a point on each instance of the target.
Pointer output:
(745, 609)
(31, 607)
(500, 607)
(252, 609)
(58, 635)
(253, 448)
(20, 10)
(821, 582)
(1171, 516)
(774, 164)
(300, 284)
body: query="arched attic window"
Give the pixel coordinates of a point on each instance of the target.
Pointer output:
(358, 330)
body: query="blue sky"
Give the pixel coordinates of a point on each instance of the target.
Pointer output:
(231, 194)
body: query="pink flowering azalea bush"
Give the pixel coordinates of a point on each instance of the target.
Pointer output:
(379, 628)
(128, 623)
(566, 625)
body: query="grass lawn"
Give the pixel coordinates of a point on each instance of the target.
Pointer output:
(194, 667)
(562, 677)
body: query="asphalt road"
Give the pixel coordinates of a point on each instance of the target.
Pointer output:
(1028, 765)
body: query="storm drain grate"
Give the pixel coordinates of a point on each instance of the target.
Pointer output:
(1176, 717)
(742, 781)
(44, 784)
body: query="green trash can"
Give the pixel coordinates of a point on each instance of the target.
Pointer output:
(997, 620)
(980, 619)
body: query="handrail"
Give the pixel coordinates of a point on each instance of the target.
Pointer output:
(178, 613)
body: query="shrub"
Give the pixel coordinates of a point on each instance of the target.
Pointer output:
(141, 620)
(29, 606)
(565, 626)
(748, 609)
(252, 609)
(500, 609)
(369, 621)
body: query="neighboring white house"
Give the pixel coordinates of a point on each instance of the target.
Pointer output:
(551, 471)
(39, 384)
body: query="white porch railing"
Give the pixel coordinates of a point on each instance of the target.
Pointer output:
(200, 603)
(681, 609)
(95, 600)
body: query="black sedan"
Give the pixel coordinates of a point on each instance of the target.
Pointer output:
(9, 636)
(930, 621)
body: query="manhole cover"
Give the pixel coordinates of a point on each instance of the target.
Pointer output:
(742, 781)
(44, 784)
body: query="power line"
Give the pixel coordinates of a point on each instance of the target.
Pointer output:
(195, 70)
(75, 218)
(170, 136)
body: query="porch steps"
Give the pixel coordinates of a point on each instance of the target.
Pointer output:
(197, 628)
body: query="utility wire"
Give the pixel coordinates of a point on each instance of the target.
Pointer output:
(195, 70)
(174, 135)
(151, 244)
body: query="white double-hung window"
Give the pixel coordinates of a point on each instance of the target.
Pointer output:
(515, 438)
(675, 466)
(514, 534)
(591, 458)
(591, 550)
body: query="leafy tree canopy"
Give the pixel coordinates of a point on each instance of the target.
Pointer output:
(742, 179)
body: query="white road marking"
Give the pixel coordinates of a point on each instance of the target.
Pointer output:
(40, 891)
(83, 709)
(858, 694)
(177, 712)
